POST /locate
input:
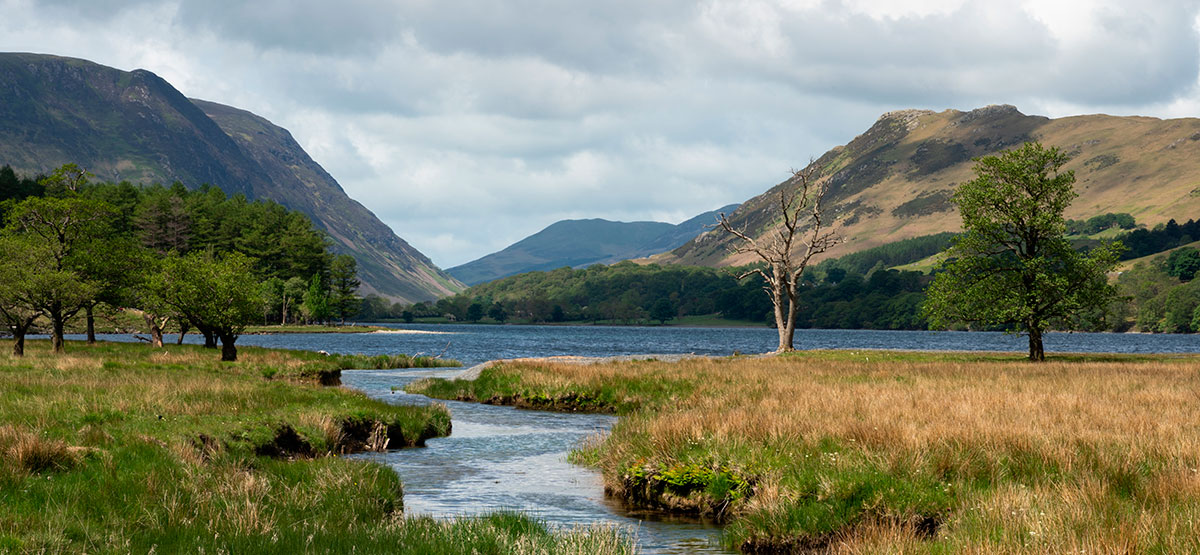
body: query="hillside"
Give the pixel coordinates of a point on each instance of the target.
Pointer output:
(578, 243)
(894, 181)
(135, 126)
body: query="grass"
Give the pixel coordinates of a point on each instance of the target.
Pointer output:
(126, 448)
(868, 451)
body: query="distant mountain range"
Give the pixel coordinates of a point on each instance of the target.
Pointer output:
(895, 181)
(135, 126)
(577, 243)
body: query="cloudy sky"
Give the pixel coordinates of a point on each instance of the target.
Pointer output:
(468, 125)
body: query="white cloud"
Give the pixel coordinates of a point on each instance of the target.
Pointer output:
(467, 125)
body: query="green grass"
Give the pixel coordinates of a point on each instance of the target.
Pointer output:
(505, 385)
(118, 448)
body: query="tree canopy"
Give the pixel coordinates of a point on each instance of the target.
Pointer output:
(1012, 265)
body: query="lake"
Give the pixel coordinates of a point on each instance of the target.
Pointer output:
(473, 344)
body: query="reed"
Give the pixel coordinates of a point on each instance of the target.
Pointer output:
(852, 451)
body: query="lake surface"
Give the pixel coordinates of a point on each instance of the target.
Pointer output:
(503, 458)
(473, 344)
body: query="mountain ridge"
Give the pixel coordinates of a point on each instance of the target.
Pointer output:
(135, 126)
(583, 242)
(895, 180)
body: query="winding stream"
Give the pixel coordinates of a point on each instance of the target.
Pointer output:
(503, 458)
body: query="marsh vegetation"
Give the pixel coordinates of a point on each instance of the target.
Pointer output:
(125, 448)
(863, 451)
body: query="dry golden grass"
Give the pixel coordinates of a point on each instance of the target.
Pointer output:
(1082, 456)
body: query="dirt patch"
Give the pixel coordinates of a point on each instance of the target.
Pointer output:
(287, 444)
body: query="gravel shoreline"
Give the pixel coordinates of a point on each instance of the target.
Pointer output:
(473, 372)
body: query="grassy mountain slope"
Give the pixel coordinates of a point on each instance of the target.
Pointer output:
(135, 126)
(894, 182)
(583, 242)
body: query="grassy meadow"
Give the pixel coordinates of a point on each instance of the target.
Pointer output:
(118, 448)
(865, 452)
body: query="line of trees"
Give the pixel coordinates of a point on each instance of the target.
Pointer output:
(631, 293)
(186, 259)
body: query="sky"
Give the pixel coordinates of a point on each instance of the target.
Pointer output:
(469, 125)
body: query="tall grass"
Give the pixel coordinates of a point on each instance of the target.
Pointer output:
(125, 448)
(869, 451)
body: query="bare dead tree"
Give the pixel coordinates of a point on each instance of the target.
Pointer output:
(787, 249)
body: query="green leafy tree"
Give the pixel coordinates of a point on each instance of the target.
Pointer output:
(343, 279)
(66, 181)
(293, 294)
(316, 301)
(19, 266)
(497, 312)
(112, 264)
(1013, 266)
(475, 312)
(213, 293)
(271, 292)
(65, 230)
(1183, 263)
(662, 310)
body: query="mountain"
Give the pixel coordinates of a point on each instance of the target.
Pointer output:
(895, 181)
(581, 243)
(135, 126)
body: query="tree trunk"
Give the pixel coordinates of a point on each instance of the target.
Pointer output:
(19, 329)
(184, 327)
(18, 342)
(785, 335)
(57, 323)
(781, 319)
(210, 338)
(91, 324)
(156, 330)
(228, 350)
(787, 346)
(1037, 352)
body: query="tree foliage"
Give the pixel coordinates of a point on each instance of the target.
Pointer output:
(82, 244)
(1013, 266)
(213, 293)
(343, 297)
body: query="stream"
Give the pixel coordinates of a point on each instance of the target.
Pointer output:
(504, 458)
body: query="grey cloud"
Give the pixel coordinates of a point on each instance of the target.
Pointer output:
(539, 110)
(345, 27)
